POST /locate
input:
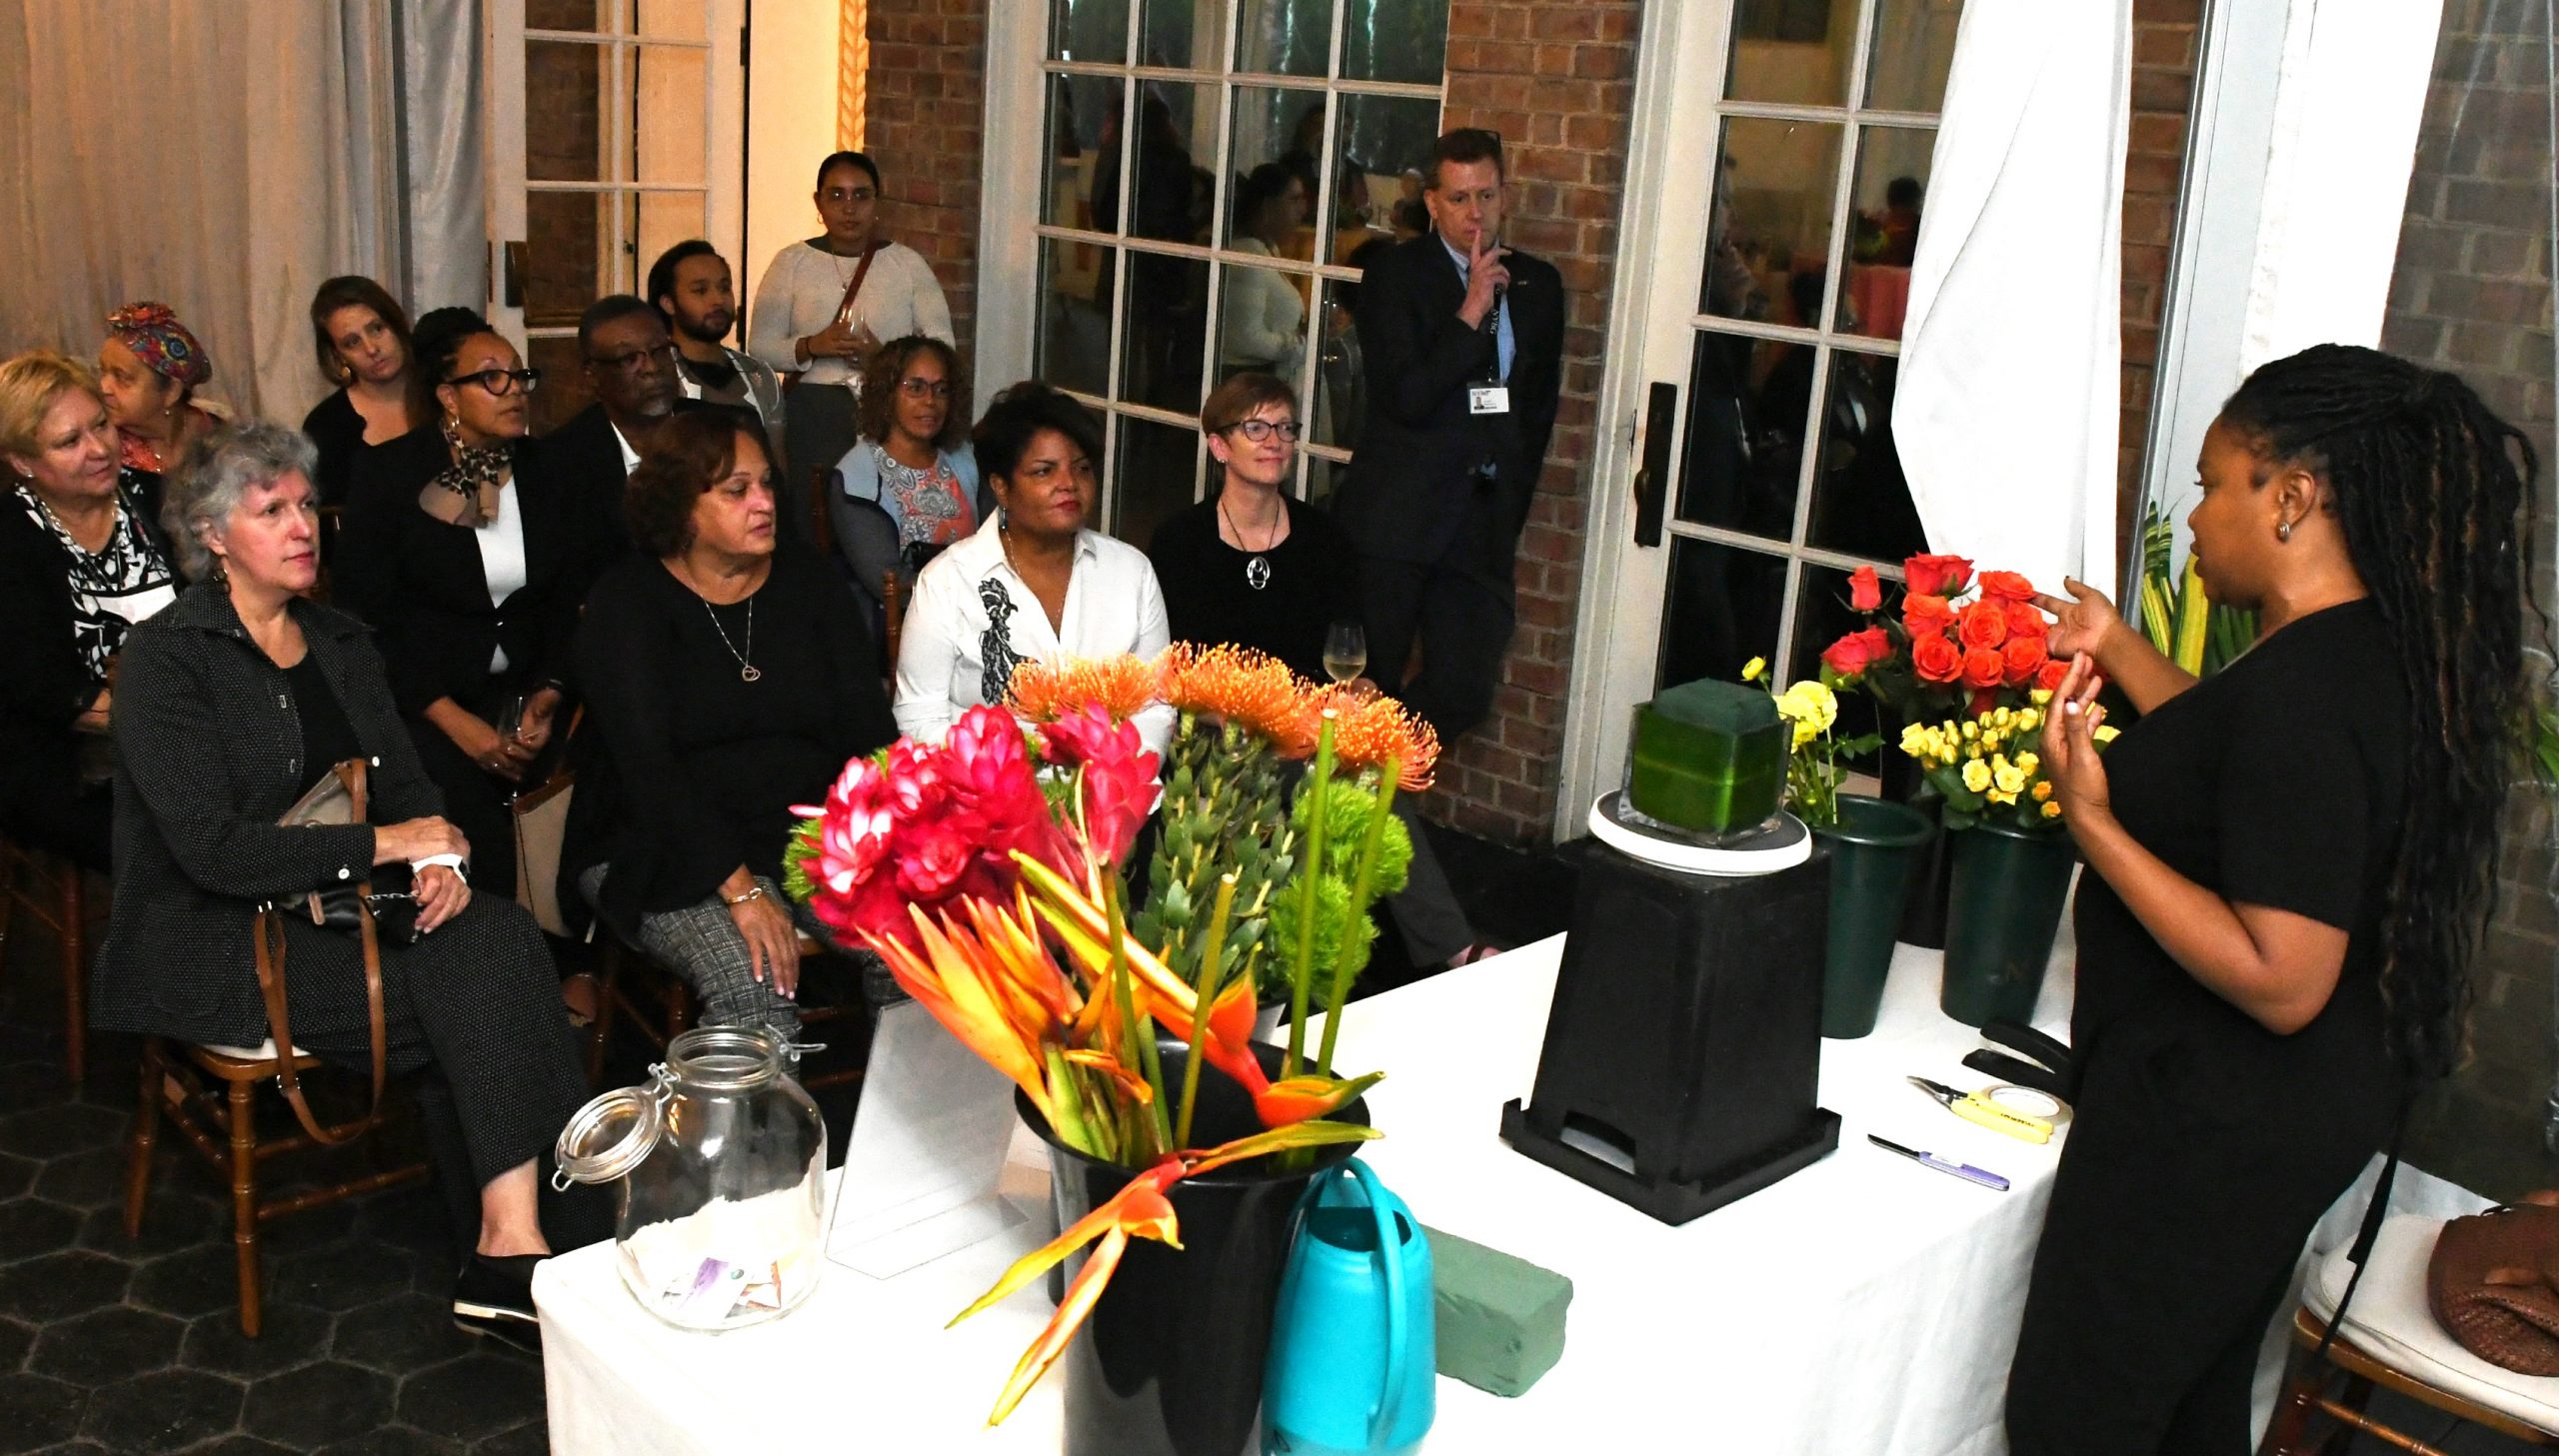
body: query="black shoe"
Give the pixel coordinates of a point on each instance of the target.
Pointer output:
(494, 1295)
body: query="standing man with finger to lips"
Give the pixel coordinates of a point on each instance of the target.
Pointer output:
(1464, 337)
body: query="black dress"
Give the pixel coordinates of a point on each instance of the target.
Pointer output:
(1314, 582)
(2204, 1146)
(687, 770)
(338, 431)
(423, 585)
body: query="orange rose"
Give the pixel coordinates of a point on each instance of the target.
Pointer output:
(2007, 586)
(2049, 676)
(1936, 576)
(1983, 625)
(1926, 615)
(1850, 655)
(2026, 619)
(2024, 657)
(1935, 659)
(1983, 667)
(1865, 593)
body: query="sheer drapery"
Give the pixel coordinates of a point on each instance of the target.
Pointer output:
(223, 159)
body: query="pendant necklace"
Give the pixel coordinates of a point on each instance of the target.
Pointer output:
(746, 672)
(1257, 567)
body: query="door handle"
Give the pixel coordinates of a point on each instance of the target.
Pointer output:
(1660, 419)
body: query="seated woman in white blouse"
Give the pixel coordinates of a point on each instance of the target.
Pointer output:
(1033, 582)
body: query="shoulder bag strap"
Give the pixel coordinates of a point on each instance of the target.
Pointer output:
(2369, 1232)
(843, 309)
(271, 984)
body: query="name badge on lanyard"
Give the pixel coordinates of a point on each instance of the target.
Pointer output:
(1490, 399)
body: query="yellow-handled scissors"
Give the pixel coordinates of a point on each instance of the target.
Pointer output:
(1976, 1108)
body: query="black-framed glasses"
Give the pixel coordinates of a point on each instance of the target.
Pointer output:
(1258, 431)
(925, 389)
(502, 382)
(662, 354)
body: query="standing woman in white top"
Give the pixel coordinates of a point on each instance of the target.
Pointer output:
(1034, 582)
(825, 305)
(470, 562)
(1264, 329)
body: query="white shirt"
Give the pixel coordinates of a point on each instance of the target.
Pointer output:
(630, 457)
(1265, 320)
(802, 287)
(501, 543)
(1112, 605)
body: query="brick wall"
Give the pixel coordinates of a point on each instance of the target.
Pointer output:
(923, 121)
(1556, 79)
(2164, 50)
(2472, 294)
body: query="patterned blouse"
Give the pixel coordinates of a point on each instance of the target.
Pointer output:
(116, 586)
(927, 502)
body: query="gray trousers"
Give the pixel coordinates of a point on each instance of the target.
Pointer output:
(701, 943)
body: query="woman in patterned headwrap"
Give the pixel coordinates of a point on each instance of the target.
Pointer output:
(470, 562)
(148, 371)
(81, 560)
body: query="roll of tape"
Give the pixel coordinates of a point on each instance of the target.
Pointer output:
(2029, 1102)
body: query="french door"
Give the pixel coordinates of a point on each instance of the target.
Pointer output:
(1777, 173)
(617, 128)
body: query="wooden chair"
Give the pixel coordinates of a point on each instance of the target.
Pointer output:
(2306, 1395)
(221, 1128)
(661, 1006)
(50, 887)
(893, 612)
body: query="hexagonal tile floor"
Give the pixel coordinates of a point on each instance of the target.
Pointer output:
(118, 1345)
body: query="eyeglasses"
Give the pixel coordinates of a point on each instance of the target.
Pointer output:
(662, 354)
(925, 389)
(1258, 431)
(502, 382)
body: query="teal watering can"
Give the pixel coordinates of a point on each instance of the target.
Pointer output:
(1353, 1347)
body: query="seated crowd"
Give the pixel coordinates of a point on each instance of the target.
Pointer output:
(210, 614)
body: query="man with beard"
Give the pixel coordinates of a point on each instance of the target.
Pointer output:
(694, 291)
(629, 364)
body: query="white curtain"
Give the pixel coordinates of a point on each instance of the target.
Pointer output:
(444, 198)
(2006, 416)
(220, 158)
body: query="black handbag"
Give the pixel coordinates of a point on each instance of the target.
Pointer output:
(338, 799)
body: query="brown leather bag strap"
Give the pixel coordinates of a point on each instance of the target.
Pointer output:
(852, 290)
(271, 985)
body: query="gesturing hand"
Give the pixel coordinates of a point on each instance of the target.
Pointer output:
(1486, 278)
(2069, 751)
(2083, 624)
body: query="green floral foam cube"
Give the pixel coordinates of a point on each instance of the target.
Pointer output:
(1709, 758)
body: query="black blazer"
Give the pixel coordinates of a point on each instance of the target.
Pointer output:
(44, 681)
(209, 754)
(1409, 494)
(419, 581)
(584, 457)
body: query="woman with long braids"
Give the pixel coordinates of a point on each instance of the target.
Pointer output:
(2288, 865)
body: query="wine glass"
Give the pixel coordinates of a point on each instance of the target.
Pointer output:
(1346, 651)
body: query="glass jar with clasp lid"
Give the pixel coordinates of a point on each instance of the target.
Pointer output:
(722, 1161)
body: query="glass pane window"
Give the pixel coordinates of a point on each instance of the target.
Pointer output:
(1203, 223)
(1788, 476)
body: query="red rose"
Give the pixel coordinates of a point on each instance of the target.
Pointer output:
(1926, 615)
(2026, 619)
(1865, 593)
(2026, 657)
(1936, 576)
(2049, 676)
(1982, 667)
(2007, 586)
(1858, 651)
(1937, 660)
(1983, 625)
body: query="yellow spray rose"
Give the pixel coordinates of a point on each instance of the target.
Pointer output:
(1976, 776)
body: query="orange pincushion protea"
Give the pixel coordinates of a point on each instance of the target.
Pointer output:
(1369, 728)
(1121, 686)
(1251, 690)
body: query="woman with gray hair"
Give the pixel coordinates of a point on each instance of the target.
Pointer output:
(229, 704)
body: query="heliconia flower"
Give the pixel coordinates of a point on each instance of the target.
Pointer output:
(1121, 686)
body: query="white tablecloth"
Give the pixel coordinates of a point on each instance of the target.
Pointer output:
(1865, 1304)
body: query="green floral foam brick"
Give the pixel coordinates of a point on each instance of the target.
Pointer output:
(1499, 1318)
(1709, 758)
